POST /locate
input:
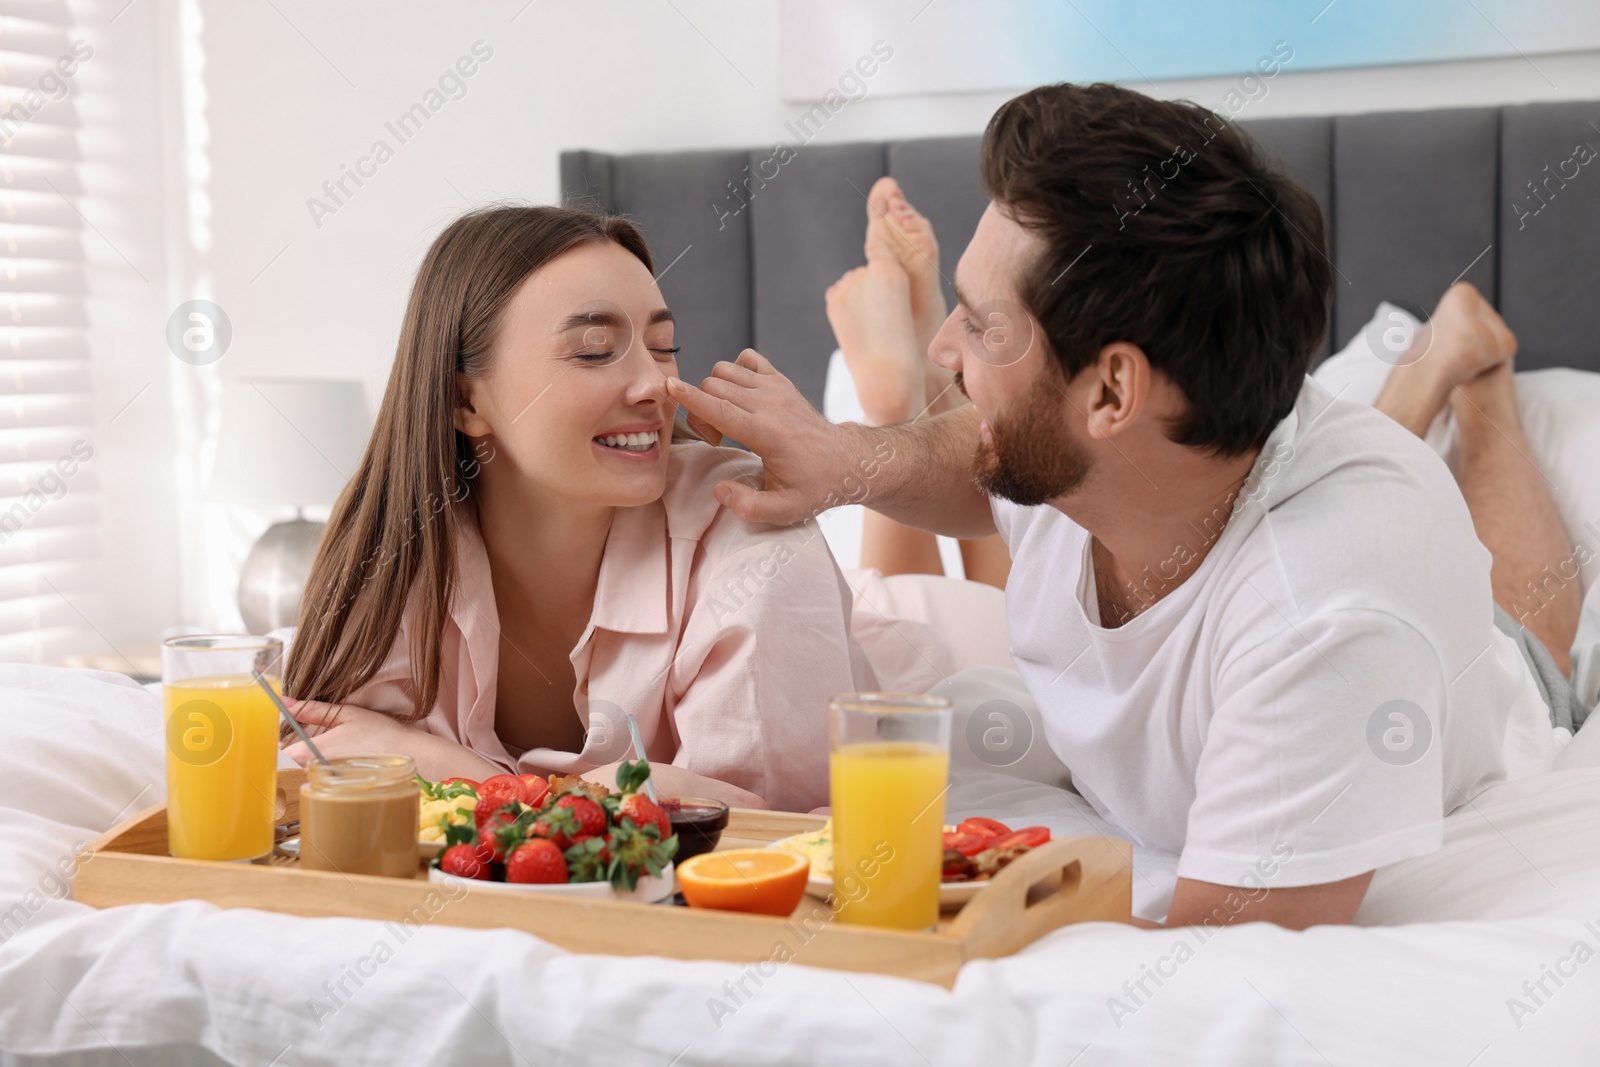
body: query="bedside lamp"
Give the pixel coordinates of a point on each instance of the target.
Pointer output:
(285, 443)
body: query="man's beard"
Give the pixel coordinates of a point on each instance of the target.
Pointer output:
(1029, 458)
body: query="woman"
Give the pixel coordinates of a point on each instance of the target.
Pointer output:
(531, 551)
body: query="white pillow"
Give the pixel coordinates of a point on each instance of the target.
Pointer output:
(1559, 408)
(841, 527)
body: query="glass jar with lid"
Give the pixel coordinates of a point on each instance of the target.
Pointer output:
(359, 815)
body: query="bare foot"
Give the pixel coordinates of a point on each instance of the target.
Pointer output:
(1468, 335)
(896, 229)
(869, 309)
(1464, 340)
(1490, 399)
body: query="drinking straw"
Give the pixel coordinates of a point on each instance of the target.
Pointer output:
(261, 680)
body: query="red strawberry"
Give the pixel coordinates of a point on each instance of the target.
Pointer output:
(588, 859)
(604, 850)
(538, 860)
(463, 861)
(467, 837)
(644, 812)
(590, 815)
(485, 807)
(634, 854)
(558, 824)
(490, 815)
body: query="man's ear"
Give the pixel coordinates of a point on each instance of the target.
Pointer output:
(467, 417)
(1119, 385)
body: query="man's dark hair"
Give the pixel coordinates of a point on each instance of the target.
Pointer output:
(1163, 227)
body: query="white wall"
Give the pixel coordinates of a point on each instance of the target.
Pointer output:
(629, 76)
(296, 89)
(122, 141)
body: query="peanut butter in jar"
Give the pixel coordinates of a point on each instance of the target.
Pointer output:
(359, 815)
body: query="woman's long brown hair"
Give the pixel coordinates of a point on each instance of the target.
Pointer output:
(390, 542)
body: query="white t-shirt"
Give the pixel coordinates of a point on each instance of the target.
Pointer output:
(1328, 683)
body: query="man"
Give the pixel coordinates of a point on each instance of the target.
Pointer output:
(1255, 619)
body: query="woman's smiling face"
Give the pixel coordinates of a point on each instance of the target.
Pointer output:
(575, 398)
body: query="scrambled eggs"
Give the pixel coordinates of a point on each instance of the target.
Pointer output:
(817, 846)
(457, 809)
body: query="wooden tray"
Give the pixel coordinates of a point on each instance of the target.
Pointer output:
(1075, 879)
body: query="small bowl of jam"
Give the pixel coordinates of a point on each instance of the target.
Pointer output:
(698, 822)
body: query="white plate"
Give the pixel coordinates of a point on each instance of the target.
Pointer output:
(650, 890)
(951, 894)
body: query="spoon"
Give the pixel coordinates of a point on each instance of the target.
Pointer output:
(261, 680)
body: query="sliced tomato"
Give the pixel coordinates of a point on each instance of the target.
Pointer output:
(1028, 837)
(537, 788)
(464, 781)
(985, 828)
(956, 869)
(508, 786)
(966, 844)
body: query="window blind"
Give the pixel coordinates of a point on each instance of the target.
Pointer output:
(49, 535)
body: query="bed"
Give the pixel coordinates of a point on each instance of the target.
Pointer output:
(1481, 953)
(1438, 971)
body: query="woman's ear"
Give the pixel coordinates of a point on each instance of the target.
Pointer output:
(468, 416)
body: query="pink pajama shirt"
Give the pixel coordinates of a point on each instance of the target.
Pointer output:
(724, 640)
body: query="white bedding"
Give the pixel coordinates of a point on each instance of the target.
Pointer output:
(1508, 899)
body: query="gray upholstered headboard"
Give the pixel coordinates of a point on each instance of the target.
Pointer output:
(1506, 198)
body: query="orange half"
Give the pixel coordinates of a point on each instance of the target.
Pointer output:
(768, 881)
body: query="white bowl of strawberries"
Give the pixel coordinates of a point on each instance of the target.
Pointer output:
(577, 840)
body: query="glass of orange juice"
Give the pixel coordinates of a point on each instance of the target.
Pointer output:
(222, 745)
(890, 756)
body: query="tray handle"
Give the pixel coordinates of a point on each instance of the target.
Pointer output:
(1095, 883)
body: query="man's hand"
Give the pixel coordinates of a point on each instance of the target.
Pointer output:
(807, 459)
(919, 474)
(1296, 907)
